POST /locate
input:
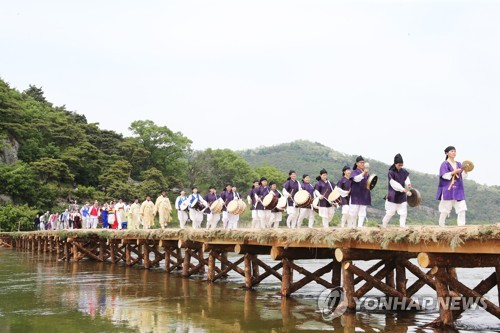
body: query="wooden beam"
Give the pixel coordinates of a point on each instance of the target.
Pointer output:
(308, 277)
(278, 253)
(207, 247)
(348, 284)
(443, 294)
(286, 280)
(252, 249)
(370, 270)
(497, 274)
(268, 271)
(336, 273)
(365, 288)
(189, 244)
(463, 260)
(423, 279)
(342, 254)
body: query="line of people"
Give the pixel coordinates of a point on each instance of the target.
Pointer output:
(353, 196)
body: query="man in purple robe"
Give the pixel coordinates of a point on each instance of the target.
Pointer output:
(253, 204)
(451, 188)
(306, 212)
(260, 193)
(345, 184)
(360, 194)
(290, 188)
(227, 196)
(396, 195)
(322, 190)
(276, 214)
(212, 218)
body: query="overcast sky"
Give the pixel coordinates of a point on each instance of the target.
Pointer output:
(363, 77)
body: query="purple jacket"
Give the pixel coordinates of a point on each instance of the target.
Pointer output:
(400, 177)
(456, 192)
(292, 187)
(324, 188)
(360, 195)
(227, 197)
(210, 198)
(345, 184)
(261, 192)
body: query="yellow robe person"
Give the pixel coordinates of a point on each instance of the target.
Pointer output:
(164, 208)
(134, 218)
(148, 214)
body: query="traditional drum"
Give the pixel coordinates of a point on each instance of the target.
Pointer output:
(216, 207)
(184, 205)
(282, 202)
(371, 182)
(302, 199)
(315, 204)
(232, 207)
(270, 201)
(413, 197)
(334, 198)
(467, 166)
(198, 205)
(242, 206)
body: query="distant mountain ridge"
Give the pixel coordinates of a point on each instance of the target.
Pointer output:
(306, 157)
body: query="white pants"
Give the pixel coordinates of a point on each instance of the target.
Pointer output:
(265, 218)
(93, 222)
(326, 214)
(212, 220)
(360, 212)
(255, 219)
(293, 216)
(86, 222)
(182, 216)
(390, 210)
(196, 217)
(232, 221)
(306, 213)
(276, 219)
(225, 219)
(445, 207)
(345, 215)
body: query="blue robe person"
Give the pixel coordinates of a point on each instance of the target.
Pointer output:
(400, 177)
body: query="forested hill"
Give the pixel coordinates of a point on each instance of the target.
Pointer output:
(310, 157)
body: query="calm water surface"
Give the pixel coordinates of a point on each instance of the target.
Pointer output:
(40, 294)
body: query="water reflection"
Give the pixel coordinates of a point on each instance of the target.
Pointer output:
(119, 298)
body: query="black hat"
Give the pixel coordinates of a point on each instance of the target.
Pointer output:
(305, 175)
(211, 187)
(346, 167)
(228, 184)
(262, 179)
(256, 181)
(318, 178)
(194, 187)
(322, 171)
(448, 149)
(163, 190)
(398, 159)
(290, 172)
(272, 183)
(359, 159)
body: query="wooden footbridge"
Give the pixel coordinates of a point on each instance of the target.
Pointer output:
(439, 251)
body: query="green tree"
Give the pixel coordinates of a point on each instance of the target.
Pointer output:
(51, 169)
(164, 145)
(272, 174)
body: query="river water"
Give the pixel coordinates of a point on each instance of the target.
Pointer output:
(40, 294)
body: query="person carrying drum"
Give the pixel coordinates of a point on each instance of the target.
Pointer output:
(227, 196)
(252, 202)
(233, 219)
(195, 211)
(276, 214)
(212, 218)
(181, 214)
(322, 190)
(260, 193)
(396, 197)
(451, 188)
(290, 188)
(360, 195)
(345, 184)
(306, 212)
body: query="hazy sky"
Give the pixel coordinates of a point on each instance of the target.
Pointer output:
(363, 77)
